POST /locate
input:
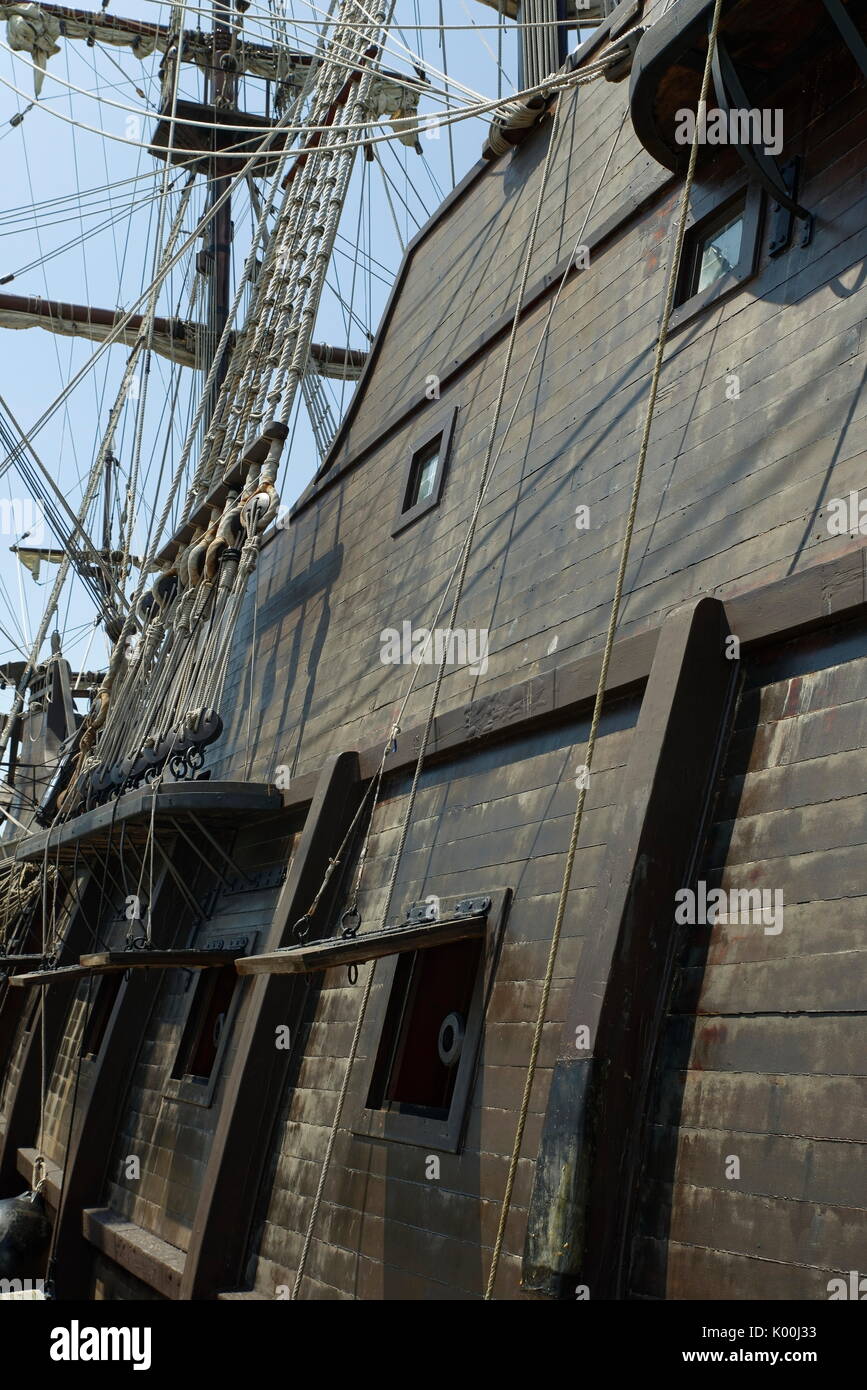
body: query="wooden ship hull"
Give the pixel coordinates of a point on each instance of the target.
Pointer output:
(283, 1109)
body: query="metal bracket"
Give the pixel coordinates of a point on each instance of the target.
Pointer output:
(782, 218)
(426, 911)
(731, 96)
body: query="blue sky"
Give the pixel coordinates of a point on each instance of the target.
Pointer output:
(97, 250)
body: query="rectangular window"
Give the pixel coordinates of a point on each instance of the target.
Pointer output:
(205, 1023)
(716, 254)
(427, 1020)
(720, 253)
(425, 1027)
(107, 991)
(213, 993)
(425, 473)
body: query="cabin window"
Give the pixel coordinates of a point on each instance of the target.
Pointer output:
(196, 1067)
(424, 475)
(205, 1023)
(717, 254)
(417, 1062)
(426, 1032)
(107, 991)
(720, 253)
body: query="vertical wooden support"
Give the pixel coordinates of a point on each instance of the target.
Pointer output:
(101, 1099)
(14, 1002)
(23, 1106)
(257, 1081)
(581, 1207)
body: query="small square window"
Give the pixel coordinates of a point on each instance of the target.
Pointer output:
(720, 252)
(425, 472)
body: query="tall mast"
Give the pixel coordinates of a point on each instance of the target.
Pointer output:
(222, 93)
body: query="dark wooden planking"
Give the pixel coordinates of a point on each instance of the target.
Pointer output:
(103, 1095)
(674, 1270)
(258, 1075)
(772, 1166)
(818, 1107)
(22, 1109)
(817, 597)
(158, 1121)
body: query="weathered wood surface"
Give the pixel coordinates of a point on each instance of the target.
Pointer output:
(586, 1171)
(21, 1097)
(735, 500)
(735, 493)
(172, 1136)
(90, 1132)
(259, 1070)
(224, 800)
(323, 955)
(762, 1056)
(158, 960)
(497, 819)
(142, 1254)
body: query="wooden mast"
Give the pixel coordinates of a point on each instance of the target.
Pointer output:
(222, 92)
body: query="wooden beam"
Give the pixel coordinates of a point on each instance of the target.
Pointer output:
(260, 1071)
(60, 975)
(322, 955)
(140, 1252)
(171, 338)
(580, 1211)
(105, 961)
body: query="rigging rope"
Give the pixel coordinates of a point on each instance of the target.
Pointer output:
(407, 818)
(661, 342)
